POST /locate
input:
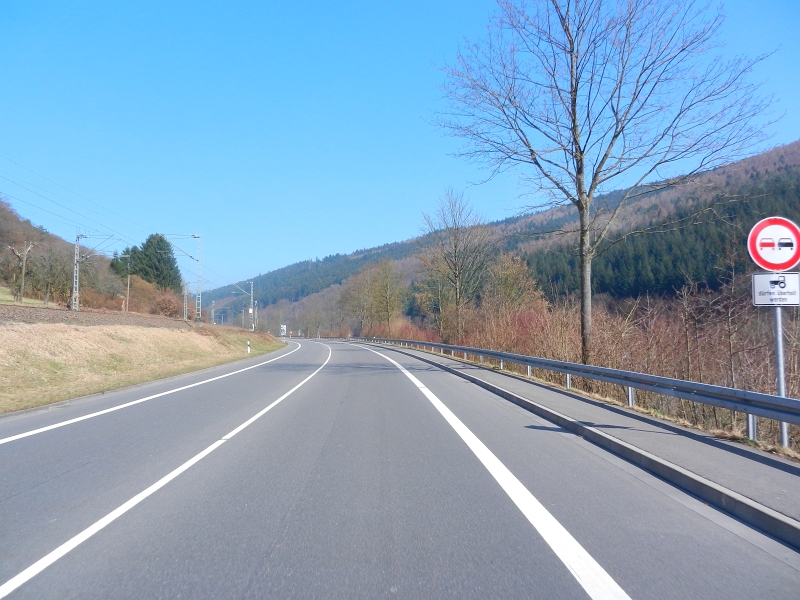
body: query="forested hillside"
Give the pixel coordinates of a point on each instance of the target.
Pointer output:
(15, 230)
(655, 263)
(661, 263)
(302, 279)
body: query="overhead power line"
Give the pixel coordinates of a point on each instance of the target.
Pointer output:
(101, 228)
(106, 209)
(16, 181)
(71, 222)
(71, 210)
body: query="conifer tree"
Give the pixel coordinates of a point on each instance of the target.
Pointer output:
(154, 262)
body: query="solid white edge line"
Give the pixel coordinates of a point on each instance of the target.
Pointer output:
(591, 576)
(41, 564)
(139, 401)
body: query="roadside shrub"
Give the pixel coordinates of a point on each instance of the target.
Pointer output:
(168, 304)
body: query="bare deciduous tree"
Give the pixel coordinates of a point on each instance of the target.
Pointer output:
(387, 293)
(22, 256)
(460, 246)
(356, 298)
(585, 94)
(510, 286)
(52, 273)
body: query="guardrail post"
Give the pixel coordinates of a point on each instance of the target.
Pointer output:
(631, 397)
(569, 381)
(529, 370)
(752, 427)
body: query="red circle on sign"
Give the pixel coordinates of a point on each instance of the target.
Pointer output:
(774, 244)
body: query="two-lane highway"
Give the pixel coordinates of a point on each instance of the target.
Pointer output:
(332, 470)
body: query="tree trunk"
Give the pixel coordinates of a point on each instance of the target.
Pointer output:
(586, 287)
(24, 263)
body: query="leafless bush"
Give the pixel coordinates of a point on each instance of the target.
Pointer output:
(168, 304)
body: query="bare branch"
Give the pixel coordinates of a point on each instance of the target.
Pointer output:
(585, 95)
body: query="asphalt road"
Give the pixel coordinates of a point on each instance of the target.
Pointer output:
(339, 471)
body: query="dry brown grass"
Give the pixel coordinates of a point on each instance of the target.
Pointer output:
(44, 363)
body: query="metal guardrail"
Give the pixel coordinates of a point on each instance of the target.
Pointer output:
(763, 405)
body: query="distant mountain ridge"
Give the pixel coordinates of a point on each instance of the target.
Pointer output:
(523, 233)
(301, 279)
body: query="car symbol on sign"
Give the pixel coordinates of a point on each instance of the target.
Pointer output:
(765, 243)
(786, 243)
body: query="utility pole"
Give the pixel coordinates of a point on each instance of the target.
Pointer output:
(128, 269)
(23, 257)
(185, 301)
(213, 317)
(199, 293)
(252, 310)
(76, 274)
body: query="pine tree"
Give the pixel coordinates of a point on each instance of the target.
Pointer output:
(154, 262)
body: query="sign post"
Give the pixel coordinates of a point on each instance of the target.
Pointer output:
(774, 245)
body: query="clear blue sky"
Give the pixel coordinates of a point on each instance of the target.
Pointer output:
(279, 131)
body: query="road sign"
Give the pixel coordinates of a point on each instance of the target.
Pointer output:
(774, 244)
(283, 330)
(776, 289)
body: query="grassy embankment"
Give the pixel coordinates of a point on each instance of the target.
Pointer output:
(6, 297)
(45, 363)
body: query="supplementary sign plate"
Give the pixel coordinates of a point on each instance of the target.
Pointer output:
(774, 244)
(776, 289)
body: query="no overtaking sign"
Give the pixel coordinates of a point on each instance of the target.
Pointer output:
(774, 244)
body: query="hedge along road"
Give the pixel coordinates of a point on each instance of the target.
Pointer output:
(369, 477)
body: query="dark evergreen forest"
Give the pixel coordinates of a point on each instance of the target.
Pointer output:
(661, 263)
